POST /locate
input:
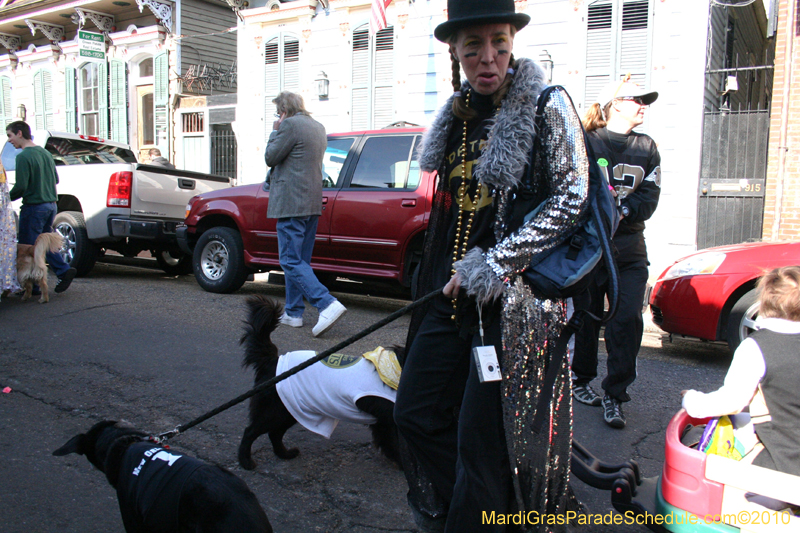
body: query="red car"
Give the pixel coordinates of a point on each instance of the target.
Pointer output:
(375, 208)
(711, 294)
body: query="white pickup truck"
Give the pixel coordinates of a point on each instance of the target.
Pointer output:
(108, 201)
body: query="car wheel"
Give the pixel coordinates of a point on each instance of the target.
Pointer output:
(741, 320)
(219, 260)
(173, 263)
(78, 251)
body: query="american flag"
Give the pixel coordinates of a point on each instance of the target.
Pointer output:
(377, 20)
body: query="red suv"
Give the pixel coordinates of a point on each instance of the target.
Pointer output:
(375, 208)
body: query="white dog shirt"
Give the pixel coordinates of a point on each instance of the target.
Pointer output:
(319, 396)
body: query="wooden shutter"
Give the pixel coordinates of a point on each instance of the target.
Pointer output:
(6, 113)
(102, 100)
(119, 107)
(599, 42)
(360, 105)
(272, 82)
(272, 75)
(633, 42)
(383, 92)
(38, 99)
(48, 99)
(161, 99)
(291, 64)
(617, 43)
(281, 73)
(43, 99)
(70, 103)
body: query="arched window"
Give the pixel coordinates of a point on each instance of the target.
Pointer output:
(43, 99)
(281, 72)
(143, 78)
(146, 68)
(373, 78)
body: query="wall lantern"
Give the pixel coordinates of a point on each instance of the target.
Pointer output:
(546, 62)
(323, 85)
(22, 113)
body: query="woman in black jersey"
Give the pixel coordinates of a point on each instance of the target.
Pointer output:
(633, 168)
(472, 454)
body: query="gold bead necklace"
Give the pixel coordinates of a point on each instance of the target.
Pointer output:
(460, 247)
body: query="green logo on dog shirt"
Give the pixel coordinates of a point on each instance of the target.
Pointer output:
(338, 360)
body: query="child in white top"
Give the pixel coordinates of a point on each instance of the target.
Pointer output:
(770, 360)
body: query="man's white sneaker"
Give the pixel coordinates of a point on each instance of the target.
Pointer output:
(327, 317)
(295, 322)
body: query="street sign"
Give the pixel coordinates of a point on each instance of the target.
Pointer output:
(91, 46)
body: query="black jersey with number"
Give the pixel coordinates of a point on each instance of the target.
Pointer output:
(632, 166)
(151, 480)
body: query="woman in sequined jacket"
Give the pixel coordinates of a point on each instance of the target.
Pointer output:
(471, 451)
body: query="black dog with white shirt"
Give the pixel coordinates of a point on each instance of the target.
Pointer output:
(340, 387)
(164, 491)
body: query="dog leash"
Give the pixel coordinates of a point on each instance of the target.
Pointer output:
(161, 438)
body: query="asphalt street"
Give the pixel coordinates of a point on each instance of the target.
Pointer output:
(129, 343)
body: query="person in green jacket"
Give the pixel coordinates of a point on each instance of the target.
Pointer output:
(36, 180)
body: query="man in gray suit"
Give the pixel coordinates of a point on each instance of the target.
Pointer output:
(294, 154)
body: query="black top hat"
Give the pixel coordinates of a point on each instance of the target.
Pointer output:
(466, 13)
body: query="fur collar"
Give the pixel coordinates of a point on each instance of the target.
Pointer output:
(510, 135)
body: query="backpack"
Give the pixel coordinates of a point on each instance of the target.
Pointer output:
(569, 268)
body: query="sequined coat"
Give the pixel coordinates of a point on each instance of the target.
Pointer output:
(8, 240)
(530, 326)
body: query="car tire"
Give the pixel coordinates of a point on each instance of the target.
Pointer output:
(741, 319)
(78, 251)
(219, 261)
(172, 263)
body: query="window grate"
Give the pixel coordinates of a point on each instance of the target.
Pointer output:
(193, 122)
(223, 151)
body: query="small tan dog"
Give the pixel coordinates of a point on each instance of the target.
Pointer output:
(31, 267)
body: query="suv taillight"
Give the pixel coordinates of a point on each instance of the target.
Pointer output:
(119, 189)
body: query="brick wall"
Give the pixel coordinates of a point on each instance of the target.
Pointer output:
(782, 199)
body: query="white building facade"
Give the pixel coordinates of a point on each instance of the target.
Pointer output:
(352, 80)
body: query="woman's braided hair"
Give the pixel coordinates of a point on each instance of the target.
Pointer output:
(460, 109)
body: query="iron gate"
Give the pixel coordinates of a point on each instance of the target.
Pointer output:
(223, 150)
(732, 177)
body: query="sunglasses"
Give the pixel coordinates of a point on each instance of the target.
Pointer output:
(635, 99)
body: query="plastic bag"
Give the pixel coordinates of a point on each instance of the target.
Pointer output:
(719, 438)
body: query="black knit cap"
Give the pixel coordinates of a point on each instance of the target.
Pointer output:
(466, 13)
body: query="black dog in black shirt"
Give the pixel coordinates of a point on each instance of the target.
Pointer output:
(160, 490)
